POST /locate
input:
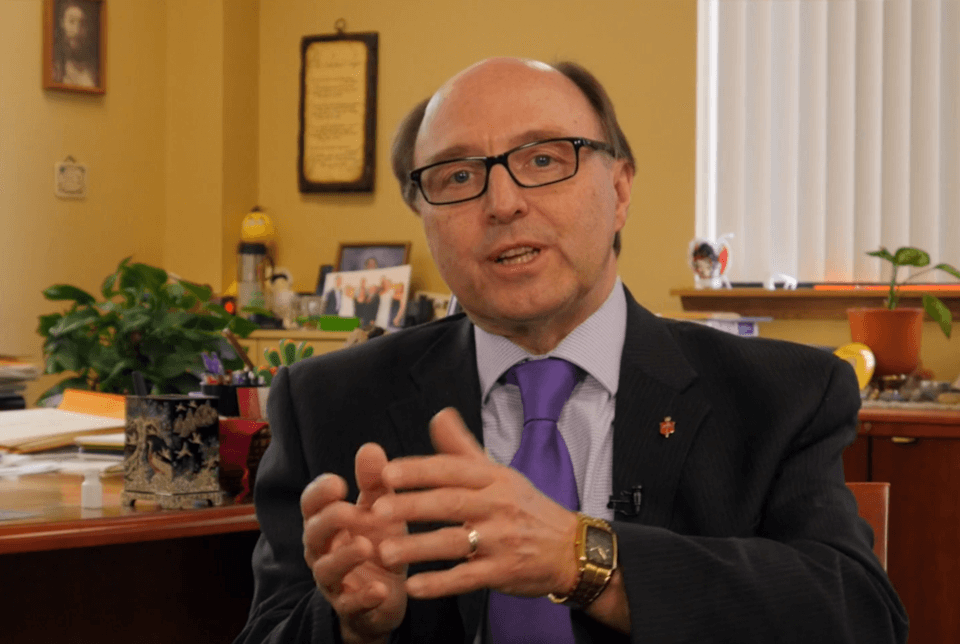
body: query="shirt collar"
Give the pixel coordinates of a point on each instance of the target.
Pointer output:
(595, 346)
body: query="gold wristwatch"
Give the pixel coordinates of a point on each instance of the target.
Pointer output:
(596, 550)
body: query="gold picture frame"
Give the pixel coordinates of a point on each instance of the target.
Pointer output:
(357, 256)
(75, 45)
(338, 112)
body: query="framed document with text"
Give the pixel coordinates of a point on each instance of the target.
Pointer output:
(338, 112)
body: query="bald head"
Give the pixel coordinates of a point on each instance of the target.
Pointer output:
(520, 75)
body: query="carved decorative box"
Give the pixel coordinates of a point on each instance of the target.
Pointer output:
(171, 451)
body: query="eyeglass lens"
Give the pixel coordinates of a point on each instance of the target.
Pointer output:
(530, 166)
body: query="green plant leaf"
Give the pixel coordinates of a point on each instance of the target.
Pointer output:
(272, 357)
(106, 288)
(145, 277)
(216, 309)
(883, 253)
(910, 256)
(46, 323)
(289, 353)
(61, 292)
(307, 352)
(52, 364)
(242, 326)
(949, 269)
(172, 365)
(257, 310)
(188, 302)
(135, 318)
(300, 349)
(73, 321)
(70, 357)
(115, 373)
(938, 311)
(202, 293)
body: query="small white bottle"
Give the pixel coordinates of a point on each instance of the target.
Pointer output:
(91, 490)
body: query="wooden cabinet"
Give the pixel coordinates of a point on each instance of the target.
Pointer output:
(918, 453)
(321, 341)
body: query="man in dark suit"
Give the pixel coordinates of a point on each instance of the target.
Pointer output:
(331, 302)
(735, 525)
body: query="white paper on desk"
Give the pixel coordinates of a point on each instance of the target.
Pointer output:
(14, 465)
(28, 425)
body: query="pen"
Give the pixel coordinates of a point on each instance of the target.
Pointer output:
(232, 339)
(139, 386)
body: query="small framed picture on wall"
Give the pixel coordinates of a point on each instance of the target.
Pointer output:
(74, 45)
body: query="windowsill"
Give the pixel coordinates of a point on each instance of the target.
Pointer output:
(801, 304)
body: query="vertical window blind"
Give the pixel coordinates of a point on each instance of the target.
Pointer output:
(826, 129)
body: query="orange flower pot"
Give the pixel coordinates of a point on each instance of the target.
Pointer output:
(893, 336)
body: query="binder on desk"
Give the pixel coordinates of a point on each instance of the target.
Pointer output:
(81, 413)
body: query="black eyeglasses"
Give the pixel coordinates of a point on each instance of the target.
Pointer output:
(530, 166)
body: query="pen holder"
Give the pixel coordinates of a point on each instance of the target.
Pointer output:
(171, 453)
(227, 394)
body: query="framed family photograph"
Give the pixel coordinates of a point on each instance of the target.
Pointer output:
(375, 296)
(371, 255)
(74, 45)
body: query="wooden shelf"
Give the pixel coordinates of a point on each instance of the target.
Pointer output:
(802, 304)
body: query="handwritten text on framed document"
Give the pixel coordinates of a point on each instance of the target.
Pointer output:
(338, 112)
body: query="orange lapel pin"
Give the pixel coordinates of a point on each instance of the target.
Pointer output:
(667, 427)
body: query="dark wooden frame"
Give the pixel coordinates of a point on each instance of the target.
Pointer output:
(51, 11)
(338, 267)
(365, 182)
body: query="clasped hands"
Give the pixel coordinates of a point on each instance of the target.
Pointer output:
(359, 552)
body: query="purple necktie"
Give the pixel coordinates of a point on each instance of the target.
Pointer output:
(545, 385)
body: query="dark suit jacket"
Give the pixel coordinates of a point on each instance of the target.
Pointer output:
(332, 303)
(746, 532)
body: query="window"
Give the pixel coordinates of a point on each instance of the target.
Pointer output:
(828, 129)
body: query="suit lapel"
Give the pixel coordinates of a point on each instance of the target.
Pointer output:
(445, 376)
(656, 382)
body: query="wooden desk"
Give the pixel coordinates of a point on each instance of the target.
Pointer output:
(918, 453)
(120, 574)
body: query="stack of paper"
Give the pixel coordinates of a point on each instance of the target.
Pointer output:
(32, 430)
(82, 413)
(14, 375)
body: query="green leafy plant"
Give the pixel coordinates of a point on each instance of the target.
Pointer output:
(147, 323)
(285, 354)
(910, 256)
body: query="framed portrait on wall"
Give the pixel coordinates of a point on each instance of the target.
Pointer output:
(338, 112)
(372, 255)
(74, 45)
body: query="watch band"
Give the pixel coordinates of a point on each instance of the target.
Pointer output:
(593, 576)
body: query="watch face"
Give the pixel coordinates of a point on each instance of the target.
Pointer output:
(599, 547)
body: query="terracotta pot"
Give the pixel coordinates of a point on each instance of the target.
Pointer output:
(893, 336)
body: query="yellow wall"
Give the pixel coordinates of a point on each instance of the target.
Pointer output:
(200, 122)
(211, 93)
(170, 151)
(119, 136)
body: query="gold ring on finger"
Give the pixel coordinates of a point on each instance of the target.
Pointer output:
(473, 539)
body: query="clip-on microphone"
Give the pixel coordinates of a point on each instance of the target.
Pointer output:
(629, 502)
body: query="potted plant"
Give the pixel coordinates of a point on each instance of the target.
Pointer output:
(892, 332)
(147, 323)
